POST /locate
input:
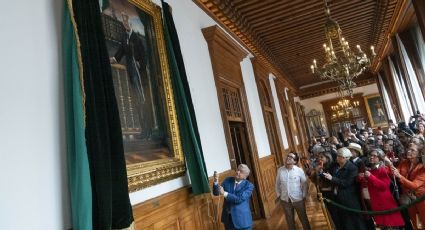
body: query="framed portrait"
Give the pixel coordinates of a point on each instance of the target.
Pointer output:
(314, 122)
(142, 85)
(375, 110)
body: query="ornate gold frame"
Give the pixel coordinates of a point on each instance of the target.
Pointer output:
(146, 174)
(369, 114)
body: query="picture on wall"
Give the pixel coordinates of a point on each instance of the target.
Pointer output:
(136, 48)
(375, 110)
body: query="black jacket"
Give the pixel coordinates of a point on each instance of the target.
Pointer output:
(343, 180)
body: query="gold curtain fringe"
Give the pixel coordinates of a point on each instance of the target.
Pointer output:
(80, 60)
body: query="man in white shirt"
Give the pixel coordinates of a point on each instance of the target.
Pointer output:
(292, 188)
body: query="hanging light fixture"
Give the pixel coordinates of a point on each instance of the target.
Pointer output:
(341, 64)
(344, 108)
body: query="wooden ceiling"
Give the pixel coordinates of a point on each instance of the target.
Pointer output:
(289, 34)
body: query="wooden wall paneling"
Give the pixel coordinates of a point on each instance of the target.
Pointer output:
(218, 44)
(302, 128)
(419, 6)
(404, 75)
(226, 57)
(293, 121)
(390, 84)
(414, 56)
(255, 158)
(181, 210)
(285, 116)
(298, 122)
(209, 207)
(268, 171)
(261, 74)
(169, 211)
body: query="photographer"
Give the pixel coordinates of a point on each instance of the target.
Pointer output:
(415, 120)
(378, 183)
(411, 173)
(348, 137)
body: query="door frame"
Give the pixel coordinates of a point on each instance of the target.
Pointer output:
(225, 58)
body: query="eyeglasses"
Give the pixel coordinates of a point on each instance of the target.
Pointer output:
(291, 157)
(412, 150)
(373, 156)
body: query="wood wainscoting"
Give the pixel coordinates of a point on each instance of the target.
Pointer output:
(174, 210)
(180, 210)
(268, 172)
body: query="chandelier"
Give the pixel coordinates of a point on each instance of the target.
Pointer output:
(341, 64)
(344, 108)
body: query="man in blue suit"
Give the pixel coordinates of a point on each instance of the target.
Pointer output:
(237, 192)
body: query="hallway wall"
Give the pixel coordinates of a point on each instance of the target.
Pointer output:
(314, 103)
(34, 191)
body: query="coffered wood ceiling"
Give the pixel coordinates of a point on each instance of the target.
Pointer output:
(289, 34)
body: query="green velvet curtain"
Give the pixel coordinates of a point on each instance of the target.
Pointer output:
(111, 208)
(185, 111)
(78, 165)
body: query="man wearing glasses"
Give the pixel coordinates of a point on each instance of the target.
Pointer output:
(292, 188)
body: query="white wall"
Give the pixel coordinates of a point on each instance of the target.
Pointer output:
(279, 112)
(314, 103)
(255, 110)
(33, 185)
(189, 20)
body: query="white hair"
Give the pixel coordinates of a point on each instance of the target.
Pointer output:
(244, 168)
(344, 152)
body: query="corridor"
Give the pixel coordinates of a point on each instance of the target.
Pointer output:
(314, 212)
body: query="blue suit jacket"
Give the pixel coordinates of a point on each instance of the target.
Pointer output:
(236, 203)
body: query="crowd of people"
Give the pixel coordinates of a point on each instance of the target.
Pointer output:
(359, 170)
(372, 170)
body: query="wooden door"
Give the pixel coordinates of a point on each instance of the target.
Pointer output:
(273, 138)
(242, 154)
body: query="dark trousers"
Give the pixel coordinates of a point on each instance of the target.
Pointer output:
(299, 206)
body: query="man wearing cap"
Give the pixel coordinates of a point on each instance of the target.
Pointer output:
(292, 188)
(357, 152)
(343, 181)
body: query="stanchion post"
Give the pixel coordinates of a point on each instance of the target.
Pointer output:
(324, 210)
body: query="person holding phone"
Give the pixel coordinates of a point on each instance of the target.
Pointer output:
(343, 179)
(378, 182)
(237, 192)
(411, 174)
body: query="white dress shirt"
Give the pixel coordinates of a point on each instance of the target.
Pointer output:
(291, 184)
